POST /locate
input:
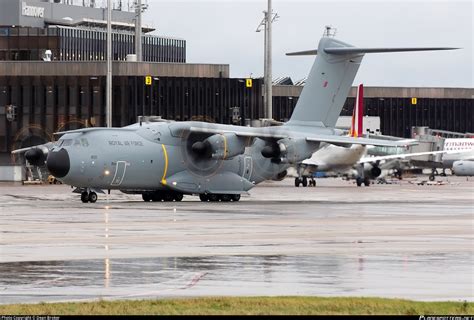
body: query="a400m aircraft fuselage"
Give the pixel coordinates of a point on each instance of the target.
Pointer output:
(159, 156)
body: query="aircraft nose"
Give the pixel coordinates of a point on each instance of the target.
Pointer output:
(58, 163)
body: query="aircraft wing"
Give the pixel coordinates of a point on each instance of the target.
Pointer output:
(241, 133)
(84, 130)
(338, 140)
(22, 150)
(399, 156)
(333, 139)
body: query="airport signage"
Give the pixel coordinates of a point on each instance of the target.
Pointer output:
(248, 83)
(148, 80)
(31, 11)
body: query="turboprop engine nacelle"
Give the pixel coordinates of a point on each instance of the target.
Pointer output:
(290, 150)
(220, 146)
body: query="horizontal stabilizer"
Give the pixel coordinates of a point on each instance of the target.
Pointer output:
(355, 50)
(303, 53)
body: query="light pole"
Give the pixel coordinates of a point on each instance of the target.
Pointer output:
(139, 8)
(108, 107)
(268, 75)
(138, 30)
(266, 23)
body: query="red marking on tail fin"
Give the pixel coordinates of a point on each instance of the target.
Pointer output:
(357, 126)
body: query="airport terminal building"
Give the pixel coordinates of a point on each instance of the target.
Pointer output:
(76, 33)
(38, 98)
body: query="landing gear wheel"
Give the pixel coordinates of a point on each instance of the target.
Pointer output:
(204, 197)
(432, 177)
(359, 181)
(235, 197)
(92, 197)
(297, 182)
(84, 197)
(146, 197)
(305, 182)
(213, 197)
(178, 196)
(367, 182)
(156, 197)
(225, 197)
(312, 183)
(168, 197)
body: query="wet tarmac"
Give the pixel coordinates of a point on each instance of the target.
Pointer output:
(400, 240)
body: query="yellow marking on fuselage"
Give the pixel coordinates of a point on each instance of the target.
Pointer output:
(225, 146)
(165, 170)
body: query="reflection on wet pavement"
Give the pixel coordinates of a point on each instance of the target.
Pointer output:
(414, 277)
(327, 241)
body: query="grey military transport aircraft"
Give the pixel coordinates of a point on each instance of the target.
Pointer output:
(165, 160)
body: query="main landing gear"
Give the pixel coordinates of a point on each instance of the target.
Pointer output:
(434, 173)
(305, 182)
(365, 181)
(166, 196)
(214, 197)
(88, 197)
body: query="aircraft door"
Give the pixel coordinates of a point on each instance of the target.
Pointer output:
(120, 169)
(248, 166)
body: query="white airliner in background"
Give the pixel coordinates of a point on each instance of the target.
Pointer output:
(343, 160)
(460, 156)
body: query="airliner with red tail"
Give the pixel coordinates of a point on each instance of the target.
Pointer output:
(341, 159)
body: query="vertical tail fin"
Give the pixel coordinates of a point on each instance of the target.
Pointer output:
(330, 80)
(327, 86)
(357, 126)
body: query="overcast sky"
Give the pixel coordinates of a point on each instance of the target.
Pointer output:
(224, 32)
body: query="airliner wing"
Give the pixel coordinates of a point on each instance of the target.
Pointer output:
(399, 156)
(344, 140)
